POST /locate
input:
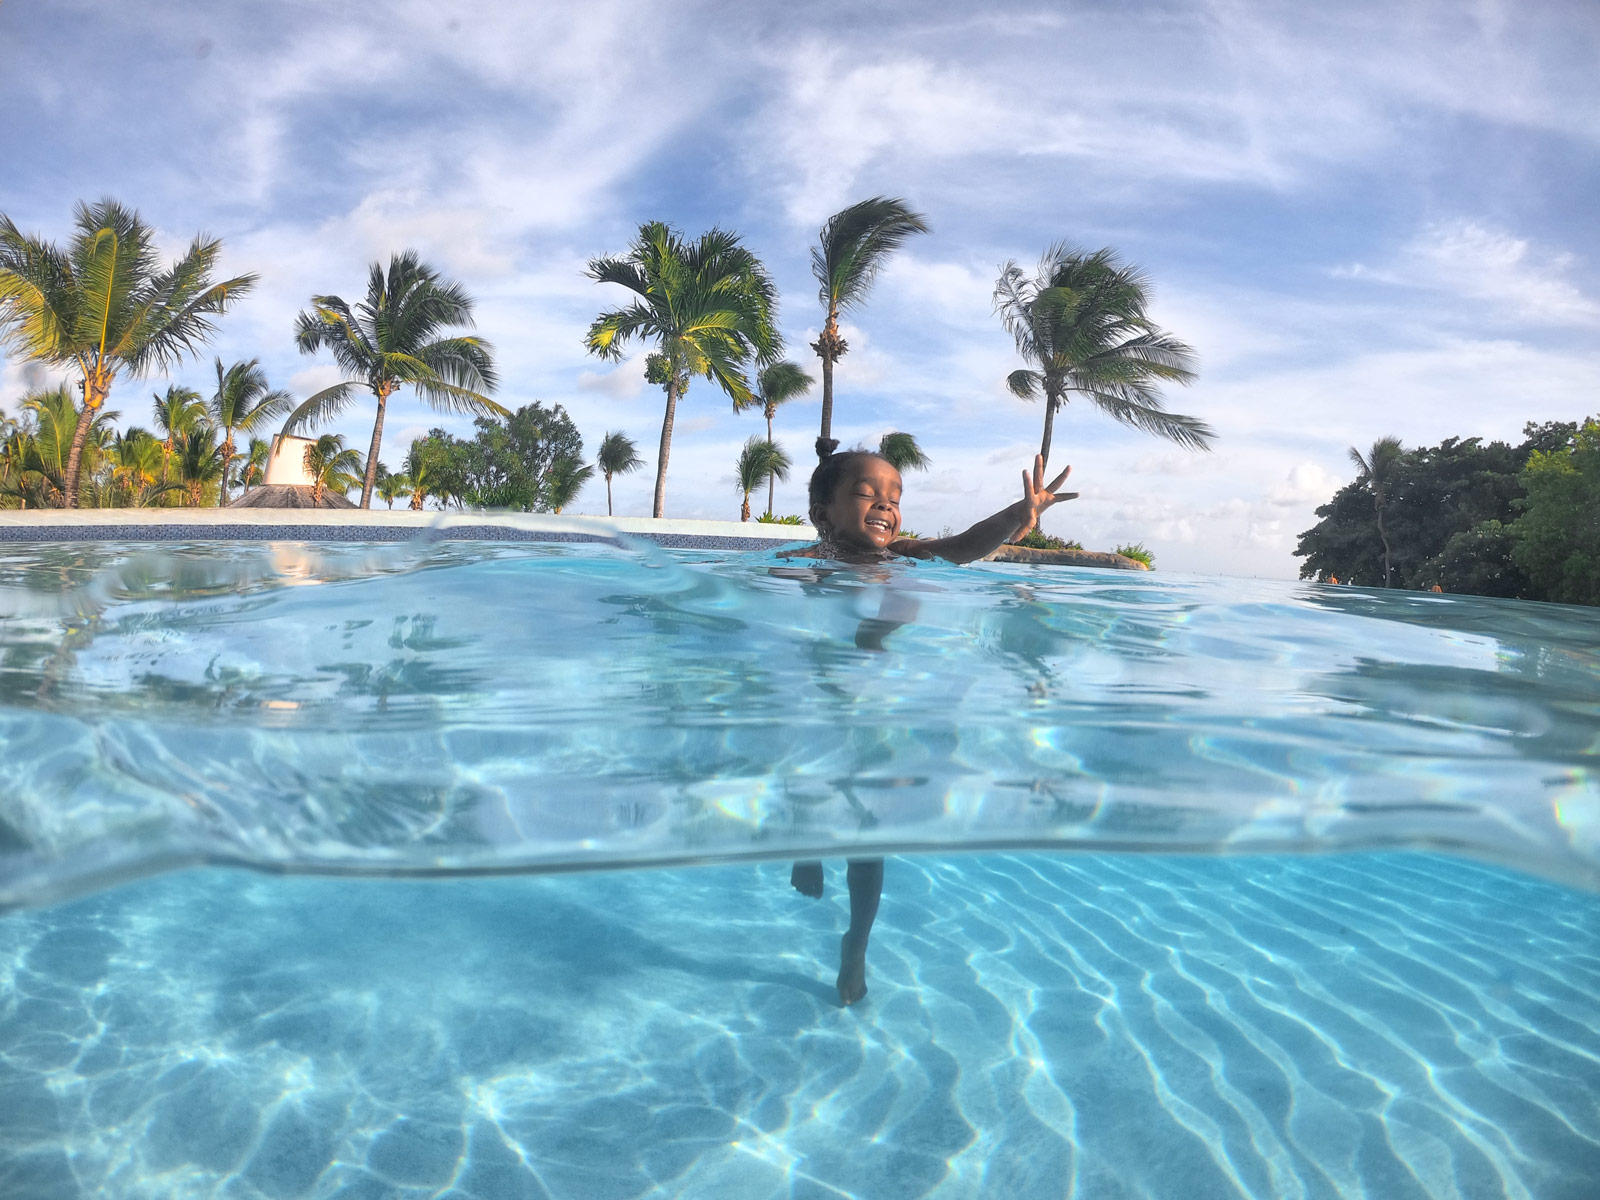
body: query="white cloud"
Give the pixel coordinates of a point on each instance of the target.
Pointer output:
(1463, 258)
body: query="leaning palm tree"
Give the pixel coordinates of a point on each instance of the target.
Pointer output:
(332, 464)
(759, 462)
(253, 470)
(391, 339)
(242, 401)
(618, 456)
(1377, 469)
(709, 306)
(777, 385)
(179, 412)
(1081, 322)
(855, 244)
(564, 479)
(903, 453)
(105, 305)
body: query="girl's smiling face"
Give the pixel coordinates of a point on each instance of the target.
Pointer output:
(864, 512)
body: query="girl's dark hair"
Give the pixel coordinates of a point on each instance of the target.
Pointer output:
(825, 479)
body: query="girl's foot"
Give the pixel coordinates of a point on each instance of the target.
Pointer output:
(806, 878)
(852, 969)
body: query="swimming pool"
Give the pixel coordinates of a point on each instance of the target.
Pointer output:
(1392, 1022)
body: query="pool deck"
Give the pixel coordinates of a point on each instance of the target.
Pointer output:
(346, 525)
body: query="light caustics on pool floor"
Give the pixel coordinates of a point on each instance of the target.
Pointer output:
(1397, 1026)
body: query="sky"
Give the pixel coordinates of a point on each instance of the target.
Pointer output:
(1368, 219)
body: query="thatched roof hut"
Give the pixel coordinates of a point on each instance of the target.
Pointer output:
(288, 483)
(288, 495)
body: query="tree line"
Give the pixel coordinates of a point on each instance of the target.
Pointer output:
(1488, 519)
(106, 307)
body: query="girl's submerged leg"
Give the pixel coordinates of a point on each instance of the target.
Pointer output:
(865, 878)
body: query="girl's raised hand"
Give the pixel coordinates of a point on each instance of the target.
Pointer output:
(1036, 497)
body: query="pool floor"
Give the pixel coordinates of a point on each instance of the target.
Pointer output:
(1394, 1026)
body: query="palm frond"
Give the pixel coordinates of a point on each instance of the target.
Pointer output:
(324, 405)
(855, 243)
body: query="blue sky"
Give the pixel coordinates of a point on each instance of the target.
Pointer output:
(1367, 219)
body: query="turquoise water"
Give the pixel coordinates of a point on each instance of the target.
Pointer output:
(1045, 1018)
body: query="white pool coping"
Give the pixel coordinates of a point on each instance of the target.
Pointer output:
(379, 525)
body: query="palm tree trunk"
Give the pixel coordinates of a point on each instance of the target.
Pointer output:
(80, 435)
(666, 446)
(829, 346)
(227, 457)
(416, 500)
(94, 392)
(372, 453)
(744, 509)
(1050, 403)
(771, 479)
(1377, 505)
(608, 493)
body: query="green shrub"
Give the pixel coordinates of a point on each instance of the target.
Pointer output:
(789, 520)
(1038, 539)
(1138, 553)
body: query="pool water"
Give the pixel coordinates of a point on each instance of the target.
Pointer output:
(288, 839)
(1385, 1025)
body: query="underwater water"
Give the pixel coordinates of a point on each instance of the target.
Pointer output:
(1385, 1025)
(1073, 1011)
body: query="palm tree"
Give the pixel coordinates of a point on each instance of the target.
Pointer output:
(855, 244)
(419, 471)
(105, 305)
(776, 385)
(243, 402)
(564, 479)
(709, 306)
(618, 456)
(177, 413)
(1377, 469)
(903, 453)
(44, 447)
(392, 486)
(199, 463)
(254, 469)
(392, 338)
(759, 461)
(332, 464)
(138, 465)
(1081, 321)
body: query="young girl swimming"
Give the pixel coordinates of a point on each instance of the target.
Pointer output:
(855, 505)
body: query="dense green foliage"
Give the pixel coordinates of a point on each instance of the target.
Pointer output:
(1558, 534)
(1487, 519)
(532, 461)
(1038, 539)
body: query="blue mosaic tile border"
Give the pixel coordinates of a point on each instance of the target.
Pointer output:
(357, 533)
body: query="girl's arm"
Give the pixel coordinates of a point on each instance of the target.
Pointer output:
(989, 534)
